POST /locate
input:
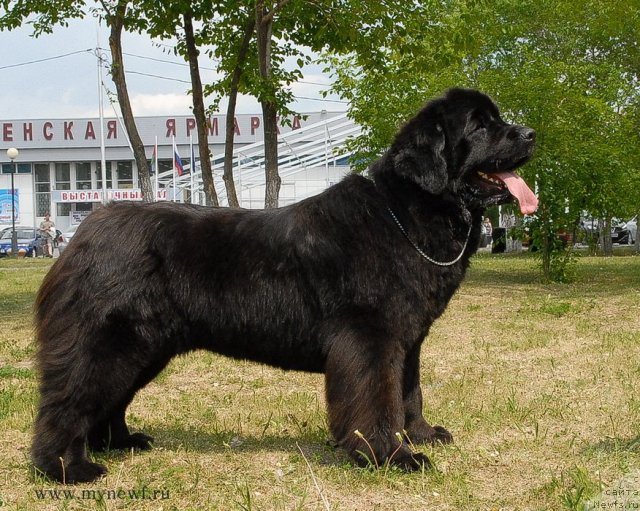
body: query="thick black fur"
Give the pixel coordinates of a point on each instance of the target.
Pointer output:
(328, 285)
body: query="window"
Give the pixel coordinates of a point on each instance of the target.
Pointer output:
(125, 174)
(99, 174)
(23, 168)
(84, 206)
(165, 165)
(63, 209)
(83, 175)
(63, 176)
(43, 188)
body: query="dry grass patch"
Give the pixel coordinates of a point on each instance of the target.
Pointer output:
(538, 384)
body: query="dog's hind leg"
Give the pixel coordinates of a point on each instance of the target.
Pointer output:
(417, 429)
(113, 433)
(84, 396)
(89, 407)
(59, 445)
(363, 375)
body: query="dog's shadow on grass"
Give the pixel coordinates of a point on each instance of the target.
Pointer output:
(613, 445)
(312, 444)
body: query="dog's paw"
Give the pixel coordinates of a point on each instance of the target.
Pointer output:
(439, 435)
(82, 472)
(134, 441)
(138, 441)
(420, 432)
(410, 461)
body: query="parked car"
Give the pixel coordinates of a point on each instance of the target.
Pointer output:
(625, 232)
(66, 237)
(28, 239)
(587, 231)
(531, 222)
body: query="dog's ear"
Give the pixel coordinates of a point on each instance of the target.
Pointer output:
(421, 158)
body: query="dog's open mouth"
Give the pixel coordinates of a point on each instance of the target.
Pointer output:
(497, 183)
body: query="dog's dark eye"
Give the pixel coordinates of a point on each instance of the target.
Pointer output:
(479, 124)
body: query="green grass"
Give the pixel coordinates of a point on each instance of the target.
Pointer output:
(537, 382)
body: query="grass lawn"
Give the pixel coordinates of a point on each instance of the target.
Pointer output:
(538, 384)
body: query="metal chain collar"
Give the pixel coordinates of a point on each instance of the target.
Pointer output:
(421, 252)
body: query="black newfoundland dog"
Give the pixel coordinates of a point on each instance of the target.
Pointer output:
(346, 283)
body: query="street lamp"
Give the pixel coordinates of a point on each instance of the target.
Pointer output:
(12, 153)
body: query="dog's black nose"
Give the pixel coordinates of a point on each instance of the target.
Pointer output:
(528, 133)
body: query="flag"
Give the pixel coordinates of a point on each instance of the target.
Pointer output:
(154, 159)
(177, 161)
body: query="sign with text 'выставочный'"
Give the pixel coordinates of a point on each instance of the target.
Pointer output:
(134, 194)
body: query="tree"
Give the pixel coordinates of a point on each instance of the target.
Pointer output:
(252, 42)
(576, 58)
(199, 112)
(115, 16)
(568, 69)
(160, 20)
(233, 51)
(264, 33)
(251, 51)
(50, 13)
(283, 27)
(234, 87)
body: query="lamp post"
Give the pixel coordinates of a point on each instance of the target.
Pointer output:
(12, 153)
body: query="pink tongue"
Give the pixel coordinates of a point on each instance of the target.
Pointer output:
(519, 189)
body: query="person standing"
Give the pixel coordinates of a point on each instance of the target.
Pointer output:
(48, 232)
(487, 231)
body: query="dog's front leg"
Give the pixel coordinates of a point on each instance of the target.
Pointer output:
(363, 373)
(417, 429)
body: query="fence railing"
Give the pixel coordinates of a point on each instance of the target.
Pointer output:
(320, 145)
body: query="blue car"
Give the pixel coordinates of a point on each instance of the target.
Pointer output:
(28, 241)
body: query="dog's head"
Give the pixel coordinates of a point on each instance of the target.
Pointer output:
(459, 144)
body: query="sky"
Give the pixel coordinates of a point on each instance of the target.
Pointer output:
(55, 76)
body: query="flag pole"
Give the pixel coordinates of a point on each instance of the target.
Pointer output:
(155, 157)
(103, 159)
(175, 170)
(193, 165)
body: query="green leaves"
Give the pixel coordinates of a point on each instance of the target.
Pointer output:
(568, 69)
(43, 15)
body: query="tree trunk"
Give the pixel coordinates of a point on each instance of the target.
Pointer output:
(272, 178)
(200, 115)
(546, 249)
(116, 23)
(264, 23)
(605, 236)
(230, 133)
(636, 238)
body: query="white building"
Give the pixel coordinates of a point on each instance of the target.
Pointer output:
(59, 167)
